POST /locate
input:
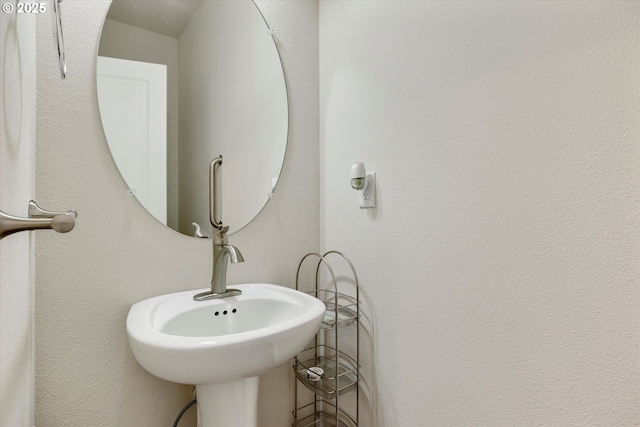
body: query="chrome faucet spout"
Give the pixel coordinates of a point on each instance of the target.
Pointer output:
(234, 254)
(219, 280)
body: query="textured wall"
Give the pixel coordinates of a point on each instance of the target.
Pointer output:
(87, 280)
(17, 187)
(500, 268)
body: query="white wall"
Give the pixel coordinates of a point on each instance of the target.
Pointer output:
(17, 187)
(86, 280)
(500, 269)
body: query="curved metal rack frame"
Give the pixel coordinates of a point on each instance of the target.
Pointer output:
(341, 372)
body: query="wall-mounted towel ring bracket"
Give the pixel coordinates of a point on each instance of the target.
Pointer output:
(62, 222)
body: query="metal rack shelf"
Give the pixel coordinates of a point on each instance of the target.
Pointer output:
(345, 311)
(340, 372)
(324, 370)
(311, 416)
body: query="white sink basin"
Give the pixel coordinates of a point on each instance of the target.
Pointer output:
(222, 340)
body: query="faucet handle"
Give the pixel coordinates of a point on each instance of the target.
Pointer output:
(199, 233)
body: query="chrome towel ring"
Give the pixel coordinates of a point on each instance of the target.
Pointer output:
(59, 37)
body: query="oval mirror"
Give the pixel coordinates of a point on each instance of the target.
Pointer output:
(181, 82)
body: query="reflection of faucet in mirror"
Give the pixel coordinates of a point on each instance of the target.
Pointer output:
(223, 252)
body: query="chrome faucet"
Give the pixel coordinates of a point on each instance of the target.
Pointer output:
(223, 252)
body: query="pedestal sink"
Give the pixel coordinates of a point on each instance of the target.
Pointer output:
(222, 345)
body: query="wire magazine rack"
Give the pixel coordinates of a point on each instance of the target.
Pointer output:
(323, 367)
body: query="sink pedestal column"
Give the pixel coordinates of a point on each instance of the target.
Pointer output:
(232, 404)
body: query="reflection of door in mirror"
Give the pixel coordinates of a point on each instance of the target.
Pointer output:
(133, 105)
